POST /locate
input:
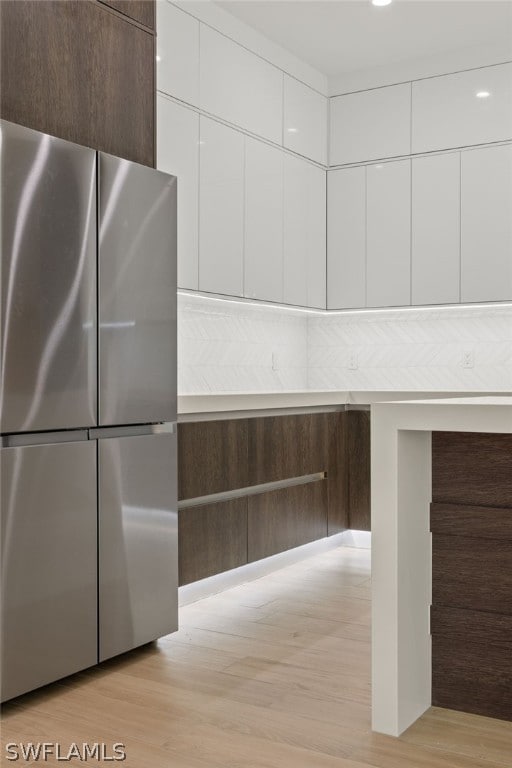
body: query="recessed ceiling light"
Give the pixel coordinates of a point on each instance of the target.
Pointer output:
(483, 94)
(292, 130)
(159, 58)
(381, 2)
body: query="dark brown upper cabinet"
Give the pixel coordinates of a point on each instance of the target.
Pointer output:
(142, 11)
(77, 70)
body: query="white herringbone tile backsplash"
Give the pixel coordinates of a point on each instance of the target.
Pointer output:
(226, 346)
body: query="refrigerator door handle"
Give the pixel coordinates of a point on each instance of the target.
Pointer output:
(133, 430)
(43, 438)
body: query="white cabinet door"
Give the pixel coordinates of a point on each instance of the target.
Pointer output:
(304, 233)
(177, 71)
(454, 110)
(239, 87)
(371, 124)
(436, 229)
(221, 209)
(486, 224)
(305, 120)
(346, 238)
(178, 153)
(388, 234)
(263, 221)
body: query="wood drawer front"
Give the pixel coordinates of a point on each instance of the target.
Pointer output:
(286, 518)
(473, 627)
(472, 468)
(282, 447)
(212, 457)
(212, 539)
(476, 522)
(358, 460)
(472, 573)
(471, 676)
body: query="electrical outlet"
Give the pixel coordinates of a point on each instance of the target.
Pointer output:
(468, 358)
(275, 361)
(353, 362)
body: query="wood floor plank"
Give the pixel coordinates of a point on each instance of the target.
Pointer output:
(272, 674)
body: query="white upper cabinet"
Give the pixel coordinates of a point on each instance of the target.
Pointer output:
(346, 238)
(388, 233)
(263, 221)
(436, 229)
(305, 120)
(304, 233)
(239, 87)
(473, 107)
(177, 71)
(221, 206)
(178, 153)
(370, 125)
(486, 224)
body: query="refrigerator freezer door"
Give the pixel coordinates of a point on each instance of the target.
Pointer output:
(49, 544)
(48, 282)
(137, 293)
(138, 541)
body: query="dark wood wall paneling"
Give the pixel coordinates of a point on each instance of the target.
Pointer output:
(79, 70)
(471, 618)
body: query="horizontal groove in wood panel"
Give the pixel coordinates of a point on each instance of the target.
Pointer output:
(251, 490)
(472, 573)
(473, 468)
(465, 520)
(471, 677)
(479, 627)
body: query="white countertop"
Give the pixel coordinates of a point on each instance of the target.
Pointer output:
(228, 402)
(401, 467)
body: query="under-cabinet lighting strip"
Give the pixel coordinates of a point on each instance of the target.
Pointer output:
(346, 312)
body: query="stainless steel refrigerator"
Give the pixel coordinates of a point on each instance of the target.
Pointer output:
(89, 563)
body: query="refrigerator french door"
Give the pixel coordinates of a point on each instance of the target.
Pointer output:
(138, 538)
(137, 399)
(88, 341)
(49, 544)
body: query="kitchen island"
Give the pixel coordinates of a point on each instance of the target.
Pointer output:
(401, 493)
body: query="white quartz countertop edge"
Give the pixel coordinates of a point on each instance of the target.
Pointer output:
(249, 401)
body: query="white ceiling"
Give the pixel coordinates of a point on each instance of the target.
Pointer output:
(339, 36)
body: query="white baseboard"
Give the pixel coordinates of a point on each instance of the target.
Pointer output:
(359, 539)
(215, 584)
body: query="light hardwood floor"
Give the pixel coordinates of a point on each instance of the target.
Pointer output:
(270, 674)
